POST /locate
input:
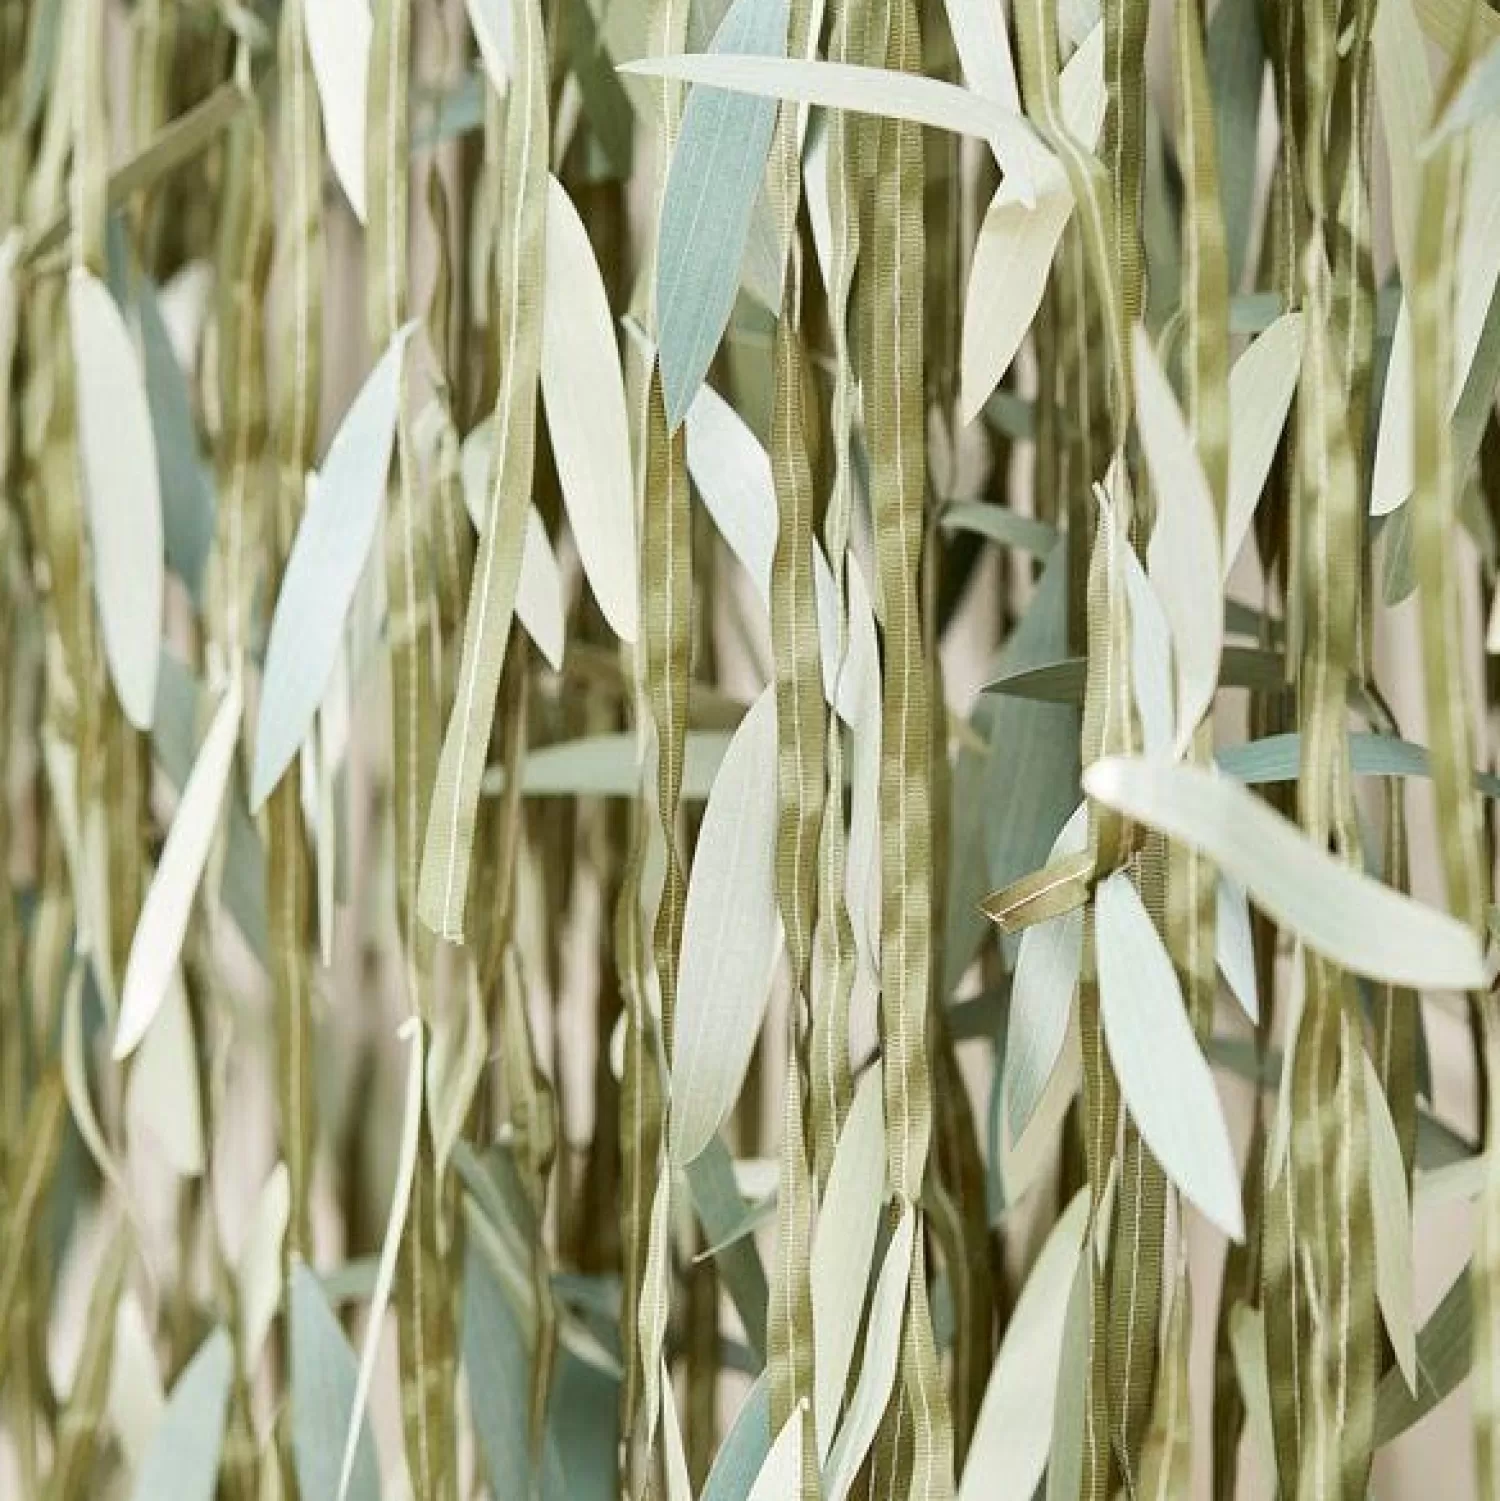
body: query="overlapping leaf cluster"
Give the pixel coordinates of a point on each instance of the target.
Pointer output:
(711, 878)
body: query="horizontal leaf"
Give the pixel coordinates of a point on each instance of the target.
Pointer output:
(1000, 524)
(1062, 682)
(609, 766)
(1361, 925)
(1276, 758)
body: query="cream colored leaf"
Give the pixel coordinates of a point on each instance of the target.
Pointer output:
(163, 1094)
(258, 1269)
(583, 393)
(159, 933)
(339, 37)
(122, 495)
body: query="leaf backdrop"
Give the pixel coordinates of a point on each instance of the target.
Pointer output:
(774, 855)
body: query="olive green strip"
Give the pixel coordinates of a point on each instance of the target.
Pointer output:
(449, 840)
(1167, 1450)
(298, 339)
(1124, 144)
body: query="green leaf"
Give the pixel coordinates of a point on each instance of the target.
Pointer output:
(1235, 56)
(609, 766)
(843, 1247)
(122, 495)
(1062, 681)
(1009, 1449)
(1247, 1346)
(1183, 556)
(731, 936)
(1361, 925)
(327, 559)
(183, 1460)
(583, 394)
(1275, 758)
(1167, 1085)
(877, 1371)
(1065, 1456)
(339, 36)
(1444, 1355)
(159, 933)
(323, 1385)
(710, 196)
(1000, 524)
(743, 1452)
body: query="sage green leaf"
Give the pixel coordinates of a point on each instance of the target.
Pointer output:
(183, 1460)
(712, 185)
(187, 491)
(1275, 758)
(1009, 1449)
(1062, 681)
(324, 1377)
(781, 1474)
(743, 1452)
(339, 37)
(395, 1227)
(872, 91)
(719, 1207)
(609, 766)
(1444, 1357)
(1261, 383)
(1048, 961)
(122, 494)
(1167, 1085)
(159, 933)
(1235, 56)
(1235, 953)
(583, 394)
(1000, 524)
(1390, 1202)
(1361, 925)
(843, 1247)
(1183, 556)
(539, 589)
(877, 1371)
(731, 936)
(327, 560)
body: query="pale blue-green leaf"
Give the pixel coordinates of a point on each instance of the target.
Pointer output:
(843, 1246)
(1275, 758)
(323, 1381)
(731, 936)
(1165, 1081)
(712, 184)
(328, 556)
(1041, 994)
(609, 766)
(1000, 524)
(1009, 1448)
(162, 926)
(744, 1450)
(122, 494)
(583, 394)
(339, 36)
(187, 489)
(877, 1372)
(1367, 928)
(183, 1460)
(1236, 946)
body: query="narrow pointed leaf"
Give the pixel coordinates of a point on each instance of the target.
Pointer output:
(1261, 384)
(183, 1460)
(339, 36)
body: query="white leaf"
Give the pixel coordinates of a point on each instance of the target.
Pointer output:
(583, 393)
(1166, 1084)
(780, 1476)
(731, 935)
(1261, 385)
(136, 1399)
(490, 21)
(539, 590)
(1359, 924)
(877, 1372)
(339, 36)
(1150, 652)
(1183, 557)
(328, 557)
(163, 1093)
(843, 1244)
(122, 494)
(159, 933)
(1009, 1449)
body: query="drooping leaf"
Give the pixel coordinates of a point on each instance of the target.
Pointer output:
(324, 1377)
(159, 934)
(743, 1453)
(1358, 923)
(122, 494)
(710, 196)
(731, 936)
(1391, 1206)
(1166, 1083)
(183, 1460)
(1235, 952)
(583, 394)
(327, 559)
(163, 1093)
(339, 37)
